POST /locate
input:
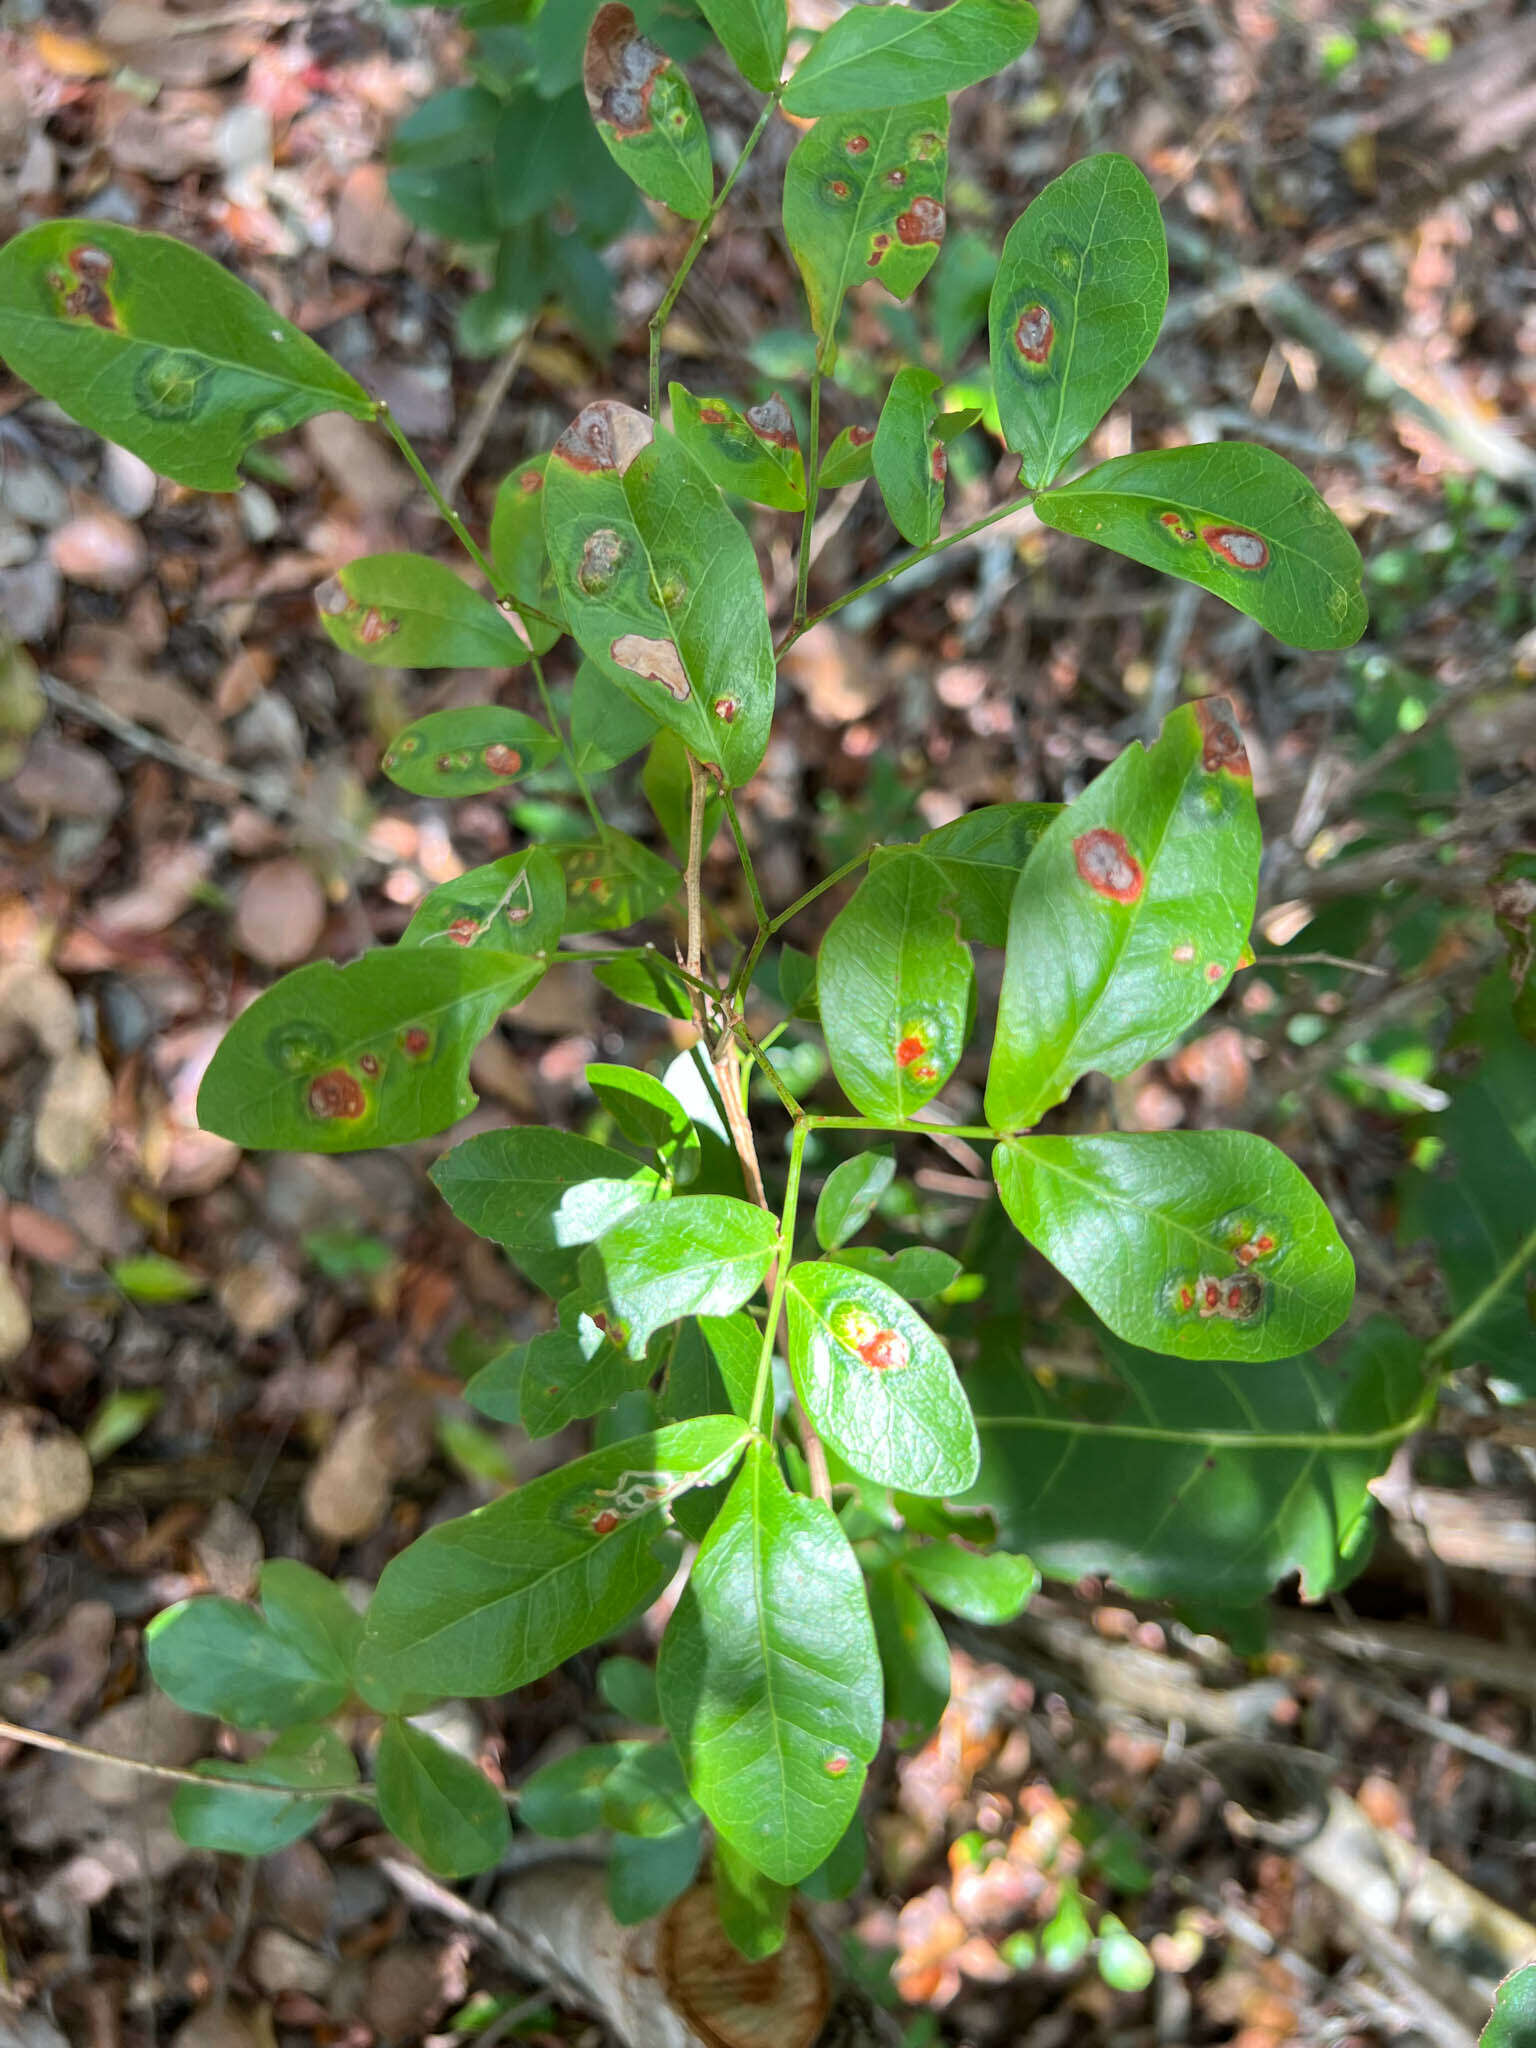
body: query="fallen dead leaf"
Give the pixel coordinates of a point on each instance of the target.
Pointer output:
(45, 1475)
(15, 1318)
(281, 913)
(75, 1114)
(99, 549)
(148, 1729)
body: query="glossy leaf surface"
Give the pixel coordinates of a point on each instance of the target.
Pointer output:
(893, 56)
(438, 1803)
(877, 1383)
(917, 1272)
(694, 1255)
(518, 551)
(769, 1678)
(753, 454)
(1130, 917)
(648, 1114)
(411, 611)
(1236, 519)
(987, 1587)
(1204, 1484)
(910, 463)
(660, 583)
(754, 35)
(571, 1373)
(515, 905)
(468, 752)
(159, 348)
(1512, 2023)
(312, 1615)
(333, 1059)
(864, 197)
(914, 1655)
(613, 882)
(753, 1910)
(1200, 1244)
(303, 1762)
(894, 983)
(494, 1600)
(981, 856)
(646, 113)
(1076, 306)
(848, 1199)
(541, 1190)
(215, 1656)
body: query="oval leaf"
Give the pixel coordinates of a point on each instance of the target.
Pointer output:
(850, 459)
(159, 348)
(864, 197)
(894, 981)
(516, 905)
(1200, 1244)
(1076, 306)
(660, 583)
(981, 856)
(695, 1255)
(467, 752)
(607, 725)
(894, 56)
(910, 462)
(438, 1803)
(646, 114)
(518, 553)
(540, 1190)
(769, 1677)
(410, 611)
(613, 881)
(848, 1200)
(1131, 916)
(309, 1764)
(333, 1059)
(753, 454)
(214, 1656)
(877, 1383)
(754, 34)
(1239, 520)
(987, 1587)
(568, 1374)
(914, 1654)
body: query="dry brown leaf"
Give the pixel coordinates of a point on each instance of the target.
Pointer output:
(45, 1475)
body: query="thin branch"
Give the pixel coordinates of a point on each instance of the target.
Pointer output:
(812, 490)
(60, 1745)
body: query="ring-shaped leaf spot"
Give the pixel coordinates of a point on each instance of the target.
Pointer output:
(334, 1059)
(1076, 306)
(849, 460)
(1199, 1244)
(438, 1803)
(648, 1115)
(988, 1587)
(848, 1199)
(981, 856)
(864, 197)
(914, 1655)
(646, 113)
(917, 1272)
(607, 725)
(468, 752)
(754, 35)
(753, 454)
(215, 1656)
(532, 1189)
(894, 981)
(498, 1598)
(409, 611)
(306, 1765)
(877, 1383)
(1199, 1485)
(769, 1676)
(613, 881)
(160, 349)
(514, 905)
(660, 583)
(698, 1255)
(895, 56)
(1130, 917)
(1238, 520)
(519, 554)
(910, 462)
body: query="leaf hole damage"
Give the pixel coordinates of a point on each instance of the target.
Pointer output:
(1222, 747)
(1236, 546)
(922, 222)
(1107, 865)
(654, 661)
(604, 436)
(861, 1330)
(337, 1096)
(1034, 334)
(620, 72)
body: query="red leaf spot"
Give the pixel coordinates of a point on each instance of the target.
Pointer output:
(1264, 1244)
(1215, 971)
(337, 1095)
(605, 1523)
(464, 931)
(369, 1062)
(1236, 546)
(925, 1073)
(861, 436)
(923, 221)
(838, 189)
(1186, 1297)
(1183, 954)
(886, 1351)
(1174, 521)
(1210, 1297)
(711, 415)
(725, 709)
(1223, 747)
(1035, 334)
(415, 1039)
(1108, 866)
(913, 1047)
(938, 462)
(501, 759)
(856, 144)
(530, 481)
(836, 1766)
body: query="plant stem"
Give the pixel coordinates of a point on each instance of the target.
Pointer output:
(698, 796)
(937, 547)
(583, 956)
(910, 1129)
(796, 1113)
(767, 926)
(781, 1274)
(812, 491)
(1481, 1302)
(691, 254)
(567, 747)
(37, 1738)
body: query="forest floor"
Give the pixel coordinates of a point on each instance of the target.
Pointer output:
(191, 801)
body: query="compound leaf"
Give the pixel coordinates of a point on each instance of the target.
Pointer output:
(515, 905)
(467, 752)
(409, 611)
(981, 856)
(646, 113)
(696, 1255)
(754, 35)
(910, 462)
(894, 56)
(438, 1803)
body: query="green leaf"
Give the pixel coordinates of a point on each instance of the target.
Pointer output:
(914, 1655)
(306, 1761)
(848, 1199)
(1131, 916)
(839, 1874)
(894, 981)
(917, 1271)
(645, 1792)
(564, 1799)
(1512, 2023)
(409, 611)
(1124, 1964)
(518, 552)
(754, 454)
(668, 788)
(1205, 1484)
(158, 348)
(910, 463)
(736, 1344)
(335, 1059)
(877, 1383)
(864, 197)
(438, 1803)
(753, 1909)
(607, 725)
(497, 1388)
(1066, 1937)
(660, 583)
(850, 459)
(643, 979)
(754, 34)
(567, 1374)
(150, 1277)
(1079, 297)
(646, 114)
(648, 1115)
(118, 1420)
(499, 1597)
(981, 856)
(214, 1656)
(695, 1255)
(1200, 1244)
(312, 1615)
(1238, 520)
(468, 752)
(613, 881)
(895, 56)
(769, 1680)
(541, 1190)
(646, 1873)
(515, 905)
(629, 1687)
(988, 1587)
